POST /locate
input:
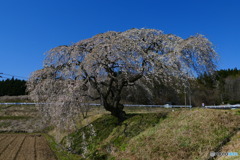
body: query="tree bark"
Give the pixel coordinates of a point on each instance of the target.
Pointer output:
(119, 113)
(115, 109)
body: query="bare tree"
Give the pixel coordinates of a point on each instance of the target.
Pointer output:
(101, 66)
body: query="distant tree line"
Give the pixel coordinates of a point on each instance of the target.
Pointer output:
(222, 87)
(12, 87)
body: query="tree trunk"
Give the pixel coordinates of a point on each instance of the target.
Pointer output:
(119, 113)
(116, 110)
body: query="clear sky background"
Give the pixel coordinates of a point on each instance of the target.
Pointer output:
(28, 28)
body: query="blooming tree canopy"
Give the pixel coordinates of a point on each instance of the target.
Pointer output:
(101, 66)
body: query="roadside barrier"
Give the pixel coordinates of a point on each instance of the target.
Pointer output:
(127, 105)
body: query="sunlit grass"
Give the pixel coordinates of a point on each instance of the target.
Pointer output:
(183, 135)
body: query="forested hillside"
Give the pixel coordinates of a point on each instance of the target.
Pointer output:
(220, 88)
(223, 87)
(12, 87)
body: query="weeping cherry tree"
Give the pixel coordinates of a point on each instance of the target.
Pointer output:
(100, 67)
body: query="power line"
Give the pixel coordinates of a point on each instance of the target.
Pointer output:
(4, 77)
(13, 75)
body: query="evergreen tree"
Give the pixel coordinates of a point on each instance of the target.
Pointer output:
(12, 87)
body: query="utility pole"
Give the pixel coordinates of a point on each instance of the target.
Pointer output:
(190, 94)
(185, 96)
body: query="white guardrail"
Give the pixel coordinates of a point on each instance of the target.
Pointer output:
(227, 106)
(15, 103)
(159, 106)
(127, 105)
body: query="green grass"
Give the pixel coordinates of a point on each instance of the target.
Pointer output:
(60, 152)
(238, 111)
(93, 141)
(84, 138)
(232, 146)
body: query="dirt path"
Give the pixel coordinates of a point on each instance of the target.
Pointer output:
(24, 147)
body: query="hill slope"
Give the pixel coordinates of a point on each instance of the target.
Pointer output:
(182, 134)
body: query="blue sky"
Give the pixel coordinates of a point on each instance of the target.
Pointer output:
(29, 28)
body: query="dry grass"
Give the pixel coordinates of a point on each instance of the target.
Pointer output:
(184, 135)
(232, 146)
(23, 98)
(17, 118)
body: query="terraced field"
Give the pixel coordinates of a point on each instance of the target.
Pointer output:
(20, 118)
(23, 119)
(24, 147)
